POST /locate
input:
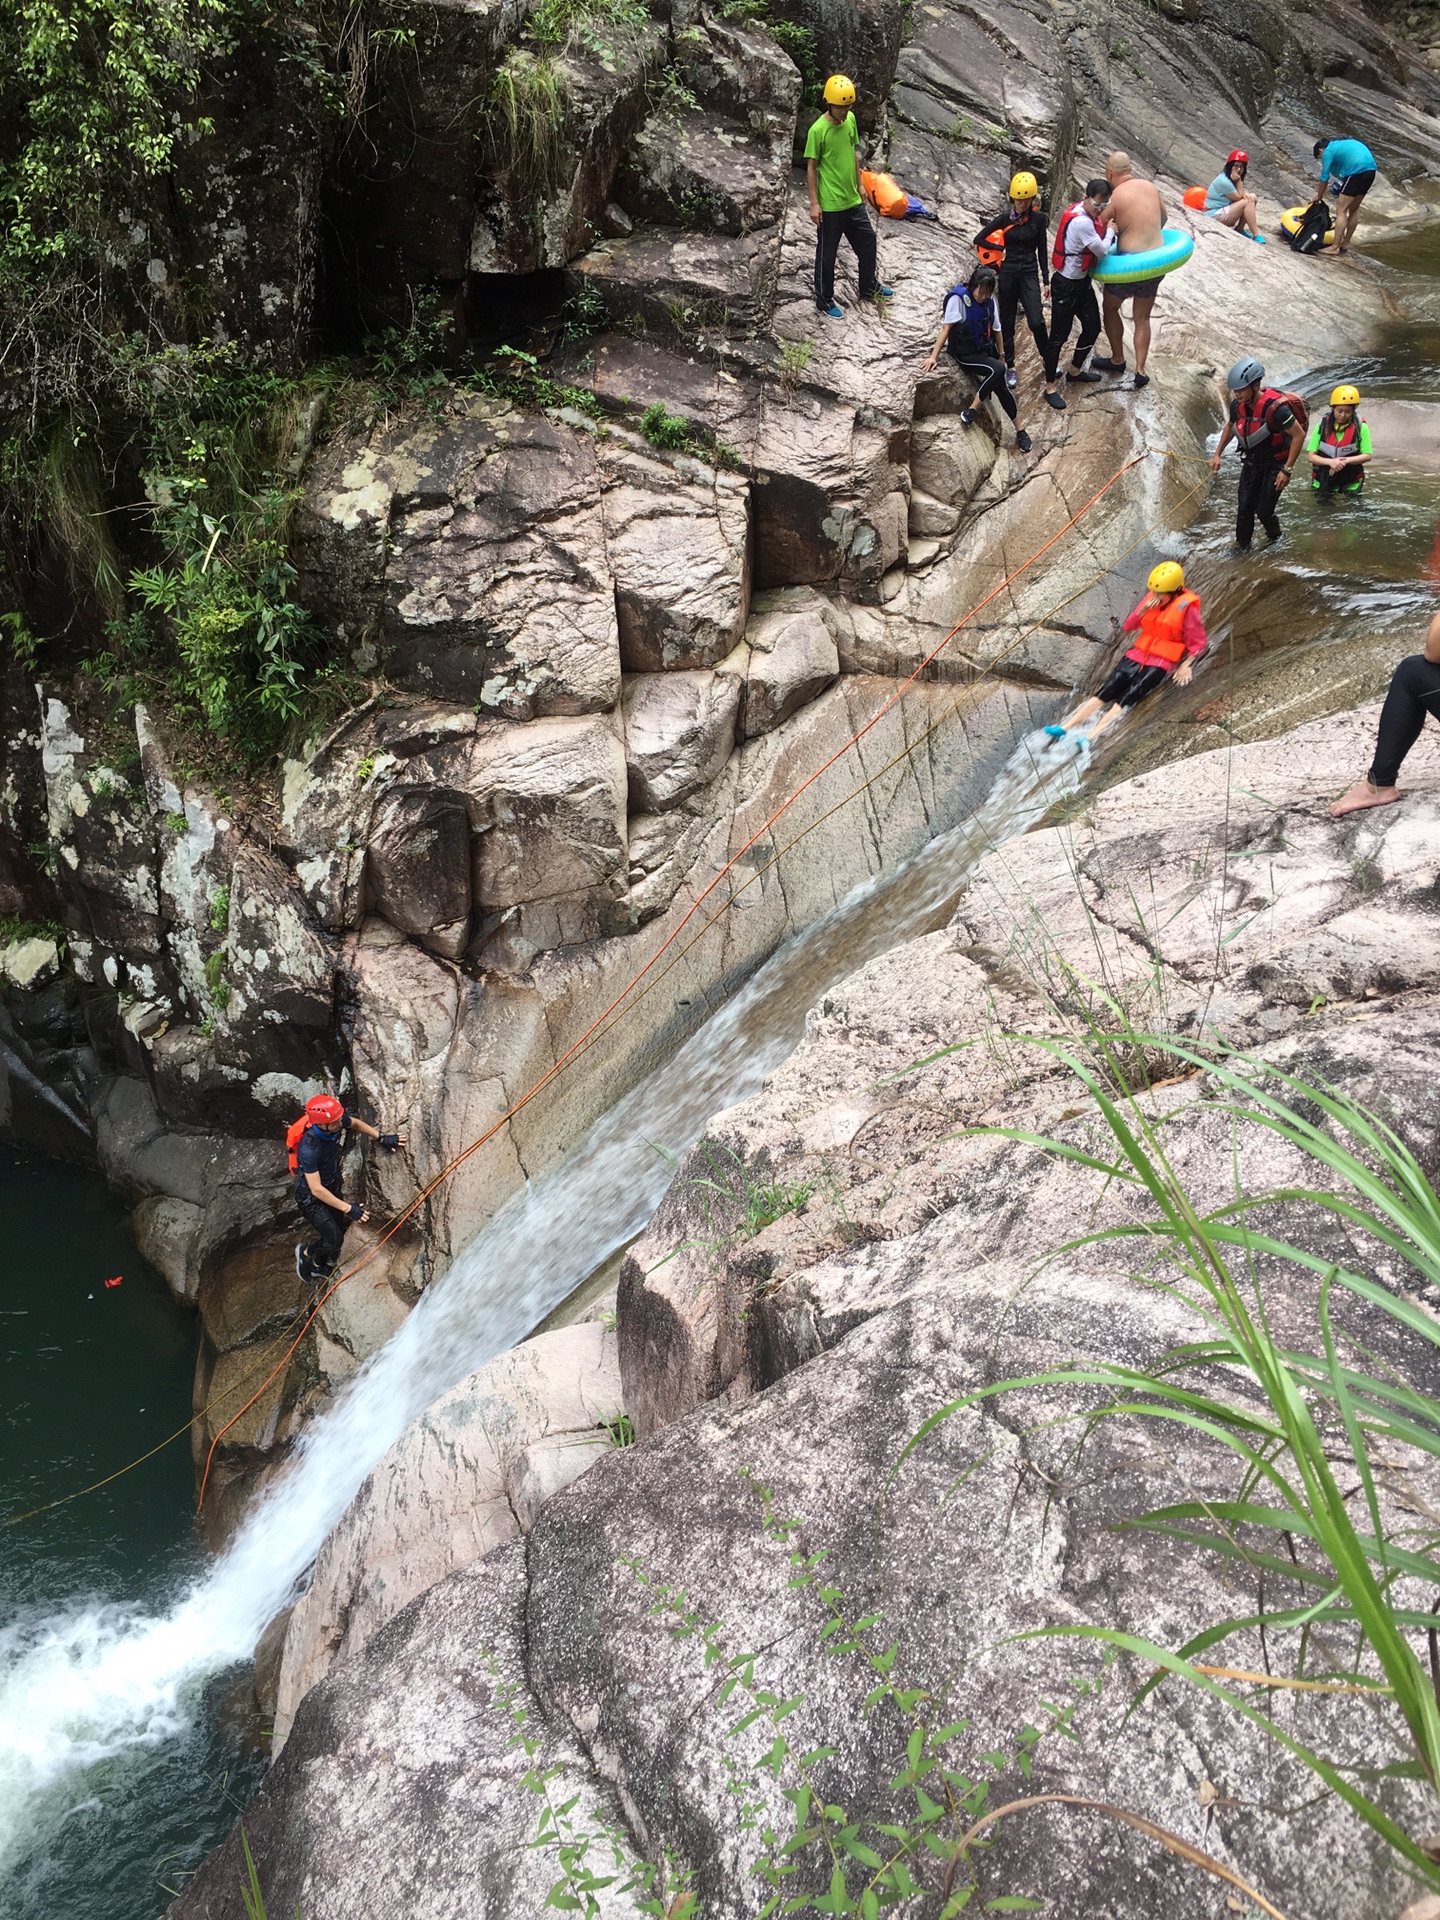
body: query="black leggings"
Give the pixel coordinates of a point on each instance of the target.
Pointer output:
(989, 377)
(852, 224)
(1414, 688)
(1021, 288)
(330, 1225)
(1257, 500)
(1071, 300)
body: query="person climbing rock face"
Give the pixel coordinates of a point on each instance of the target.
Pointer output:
(837, 205)
(1015, 244)
(1339, 446)
(1137, 218)
(1350, 165)
(1414, 692)
(1229, 200)
(1269, 433)
(1172, 638)
(315, 1143)
(970, 334)
(1082, 239)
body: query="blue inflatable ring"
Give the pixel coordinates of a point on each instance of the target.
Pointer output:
(1119, 269)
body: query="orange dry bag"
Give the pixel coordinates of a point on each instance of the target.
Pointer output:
(883, 194)
(292, 1141)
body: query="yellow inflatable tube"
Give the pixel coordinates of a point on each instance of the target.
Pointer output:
(1290, 223)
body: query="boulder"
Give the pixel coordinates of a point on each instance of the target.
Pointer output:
(167, 1232)
(479, 546)
(685, 282)
(679, 732)
(704, 173)
(793, 658)
(438, 1499)
(948, 463)
(418, 866)
(677, 540)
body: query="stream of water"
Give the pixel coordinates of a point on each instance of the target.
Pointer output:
(115, 1771)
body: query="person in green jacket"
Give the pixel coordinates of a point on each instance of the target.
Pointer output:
(1339, 446)
(837, 206)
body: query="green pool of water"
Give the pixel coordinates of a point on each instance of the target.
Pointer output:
(90, 1377)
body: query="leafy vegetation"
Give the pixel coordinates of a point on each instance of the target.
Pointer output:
(1320, 1437)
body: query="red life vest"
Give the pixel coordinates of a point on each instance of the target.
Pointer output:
(1338, 442)
(1160, 643)
(293, 1135)
(1057, 252)
(1255, 427)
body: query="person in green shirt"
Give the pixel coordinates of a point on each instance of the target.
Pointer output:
(1339, 446)
(837, 206)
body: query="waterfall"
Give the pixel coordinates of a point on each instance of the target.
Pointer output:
(99, 1682)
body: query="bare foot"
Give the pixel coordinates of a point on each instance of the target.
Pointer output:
(1363, 795)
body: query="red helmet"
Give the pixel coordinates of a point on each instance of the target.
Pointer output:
(324, 1110)
(1238, 155)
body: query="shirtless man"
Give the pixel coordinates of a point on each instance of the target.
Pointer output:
(1136, 215)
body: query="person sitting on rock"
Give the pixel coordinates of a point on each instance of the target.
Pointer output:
(970, 334)
(1172, 638)
(1350, 166)
(1339, 446)
(1015, 243)
(837, 204)
(315, 1143)
(1228, 200)
(1414, 692)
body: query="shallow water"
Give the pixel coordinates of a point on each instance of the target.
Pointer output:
(90, 1376)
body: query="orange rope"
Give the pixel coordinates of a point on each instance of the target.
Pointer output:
(579, 1045)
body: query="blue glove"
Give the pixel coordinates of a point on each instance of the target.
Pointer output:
(354, 1212)
(390, 1141)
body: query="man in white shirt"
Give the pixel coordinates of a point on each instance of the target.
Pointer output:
(1081, 241)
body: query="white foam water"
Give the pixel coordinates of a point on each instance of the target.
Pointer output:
(94, 1683)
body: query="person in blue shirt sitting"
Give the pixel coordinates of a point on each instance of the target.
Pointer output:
(1351, 166)
(1229, 200)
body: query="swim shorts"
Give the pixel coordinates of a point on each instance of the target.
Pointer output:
(1130, 682)
(1357, 185)
(1136, 289)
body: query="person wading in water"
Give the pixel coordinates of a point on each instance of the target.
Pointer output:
(1270, 434)
(1135, 215)
(315, 1143)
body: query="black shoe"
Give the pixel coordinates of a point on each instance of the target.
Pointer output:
(1141, 380)
(1108, 366)
(1085, 374)
(967, 416)
(302, 1265)
(1056, 400)
(1022, 440)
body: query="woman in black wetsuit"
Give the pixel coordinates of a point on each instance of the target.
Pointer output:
(1018, 244)
(969, 333)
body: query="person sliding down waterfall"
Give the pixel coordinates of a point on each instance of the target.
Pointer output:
(1172, 637)
(315, 1142)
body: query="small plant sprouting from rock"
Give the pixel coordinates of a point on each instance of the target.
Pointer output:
(251, 1893)
(220, 910)
(216, 983)
(748, 1201)
(795, 357)
(364, 767)
(620, 1430)
(665, 429)
(176, 823)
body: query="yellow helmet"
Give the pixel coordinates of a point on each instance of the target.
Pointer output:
(1345, 397)
(1167, 577)
(839, 91)
(1024, 187)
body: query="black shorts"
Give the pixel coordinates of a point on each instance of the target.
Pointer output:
(1134, 290)
(1357, 185)
(1130, 683)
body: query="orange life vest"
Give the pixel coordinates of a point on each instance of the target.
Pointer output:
(990, 248)
(293, 1135)
(1160, 643)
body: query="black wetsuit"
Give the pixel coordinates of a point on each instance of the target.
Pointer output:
(320, 1152)
(1261, 463)
(1026, 266)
